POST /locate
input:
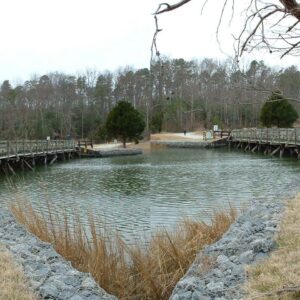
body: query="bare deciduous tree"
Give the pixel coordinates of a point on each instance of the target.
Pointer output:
(269, 24)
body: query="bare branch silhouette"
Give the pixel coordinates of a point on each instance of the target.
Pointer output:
(267, 25)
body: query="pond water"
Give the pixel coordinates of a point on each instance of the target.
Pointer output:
(136, 194)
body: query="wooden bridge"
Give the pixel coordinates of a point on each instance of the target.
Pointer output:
(25, 154)
(285, 141)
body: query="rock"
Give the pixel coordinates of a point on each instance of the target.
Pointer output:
(48, 291)
(72, 280)
(222, 259)
(181, 144)
(65, 295)
(246, 257)
(88, 283)
(247, 241)
(218, 273)
(50, 275)
(186, 295)
(237, 271)
(198, 296)
(262, 245)
(215, 286)
(76, 297)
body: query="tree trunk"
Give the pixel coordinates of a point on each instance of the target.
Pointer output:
(293, 7)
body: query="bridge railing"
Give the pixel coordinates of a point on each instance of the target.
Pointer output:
(267, 135)
(18, 147)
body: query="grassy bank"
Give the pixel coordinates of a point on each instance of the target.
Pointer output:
(129, 272)
(13, 285)
(279, 276)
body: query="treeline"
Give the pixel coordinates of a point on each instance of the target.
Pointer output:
(174, 95)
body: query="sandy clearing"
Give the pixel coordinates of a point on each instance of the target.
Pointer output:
(177, 136)
(146, 146)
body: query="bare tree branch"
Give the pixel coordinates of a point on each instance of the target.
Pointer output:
(265, 26)
(292, 7)
(154, 49)
(170, 7)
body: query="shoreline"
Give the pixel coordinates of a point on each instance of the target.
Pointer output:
(48, 273)
(249, 240)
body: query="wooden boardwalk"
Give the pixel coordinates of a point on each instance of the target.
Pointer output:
(26, 154)
(271, 141)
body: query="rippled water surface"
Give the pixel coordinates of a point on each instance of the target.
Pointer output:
(136, 194)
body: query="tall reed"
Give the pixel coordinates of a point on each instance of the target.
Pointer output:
(129, 272)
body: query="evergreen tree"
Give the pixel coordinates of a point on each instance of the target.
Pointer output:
(157, 122)
(125, 122)
(277, 111)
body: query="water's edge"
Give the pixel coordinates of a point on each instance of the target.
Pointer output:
(48, 273)
(249, 240)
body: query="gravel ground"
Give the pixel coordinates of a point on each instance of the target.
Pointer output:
(249, 239)
(51, 276)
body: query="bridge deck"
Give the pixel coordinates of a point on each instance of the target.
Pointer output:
(34, 148)
(289, 137)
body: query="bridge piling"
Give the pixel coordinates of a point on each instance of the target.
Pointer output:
(26, 154)
(270, 141)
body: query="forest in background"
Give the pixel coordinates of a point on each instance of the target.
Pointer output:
(175, 95)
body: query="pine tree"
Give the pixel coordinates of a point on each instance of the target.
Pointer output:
(277, 111)
(125, 122)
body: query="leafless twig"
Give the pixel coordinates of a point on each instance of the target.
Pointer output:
(170, 7)
(266, 25)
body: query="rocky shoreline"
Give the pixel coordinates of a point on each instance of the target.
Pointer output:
(249, 239)
(112, 152)
(49, 274)
(181, 144)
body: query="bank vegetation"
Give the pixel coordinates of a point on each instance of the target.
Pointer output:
(141, 271)
(279, 276)
(13, 285)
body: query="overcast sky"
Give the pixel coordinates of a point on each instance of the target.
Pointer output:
(41, 36)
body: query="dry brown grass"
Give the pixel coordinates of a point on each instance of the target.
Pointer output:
(13, 285)
(129, 272)
(279, 276)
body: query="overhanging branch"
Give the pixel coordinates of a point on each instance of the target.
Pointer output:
(266, 24)
(169, 7)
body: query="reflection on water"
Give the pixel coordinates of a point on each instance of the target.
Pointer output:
(136, 194)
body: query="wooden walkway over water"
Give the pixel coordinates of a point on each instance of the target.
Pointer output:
(271, 141)
(25, 154)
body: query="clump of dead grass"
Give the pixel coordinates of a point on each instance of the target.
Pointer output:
(13, 285)
(279, 276)
(129, 272)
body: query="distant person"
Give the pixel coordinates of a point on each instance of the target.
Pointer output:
(184, 132)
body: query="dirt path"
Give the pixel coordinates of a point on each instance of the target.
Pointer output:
(146, 146)
(190, 136)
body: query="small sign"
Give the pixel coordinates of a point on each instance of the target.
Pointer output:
(48, 138)
(216, 127)
(209, 135)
